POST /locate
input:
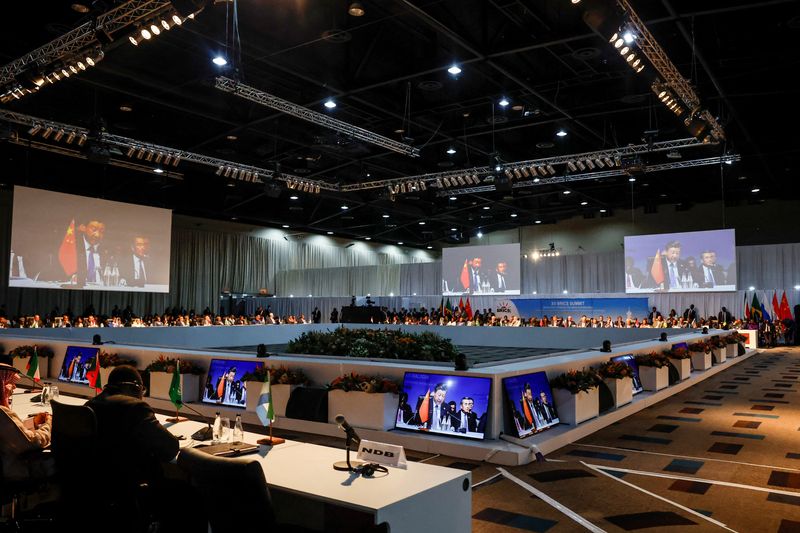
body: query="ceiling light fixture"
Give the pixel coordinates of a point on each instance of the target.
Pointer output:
(219, 61)
(356, 10)
(454, 70)
(451, 150)
(561, 133)
(504, 102)
(329, 104)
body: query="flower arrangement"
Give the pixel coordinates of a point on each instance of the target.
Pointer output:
(576, 381)
(614, 370)
(654, 359)
(277, 376)
(165, 364)
(677, 353)
(26, 351)
(717, 343)
(108, 360)
(699, 346)
(385, 344)
(732, 339)
(359, 382)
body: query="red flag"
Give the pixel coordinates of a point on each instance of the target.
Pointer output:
(424, 406)
(657, 269)
(528, 414)
(786, 312)
(67, 255)
(93, 375)
(776, 307)
(221, 387)
(469, 309)
(465, 276)
(461, 304)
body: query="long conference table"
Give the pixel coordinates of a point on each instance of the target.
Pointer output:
(301, 477)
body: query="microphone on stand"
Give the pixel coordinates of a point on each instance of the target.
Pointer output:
(36, 384)
(205, 433)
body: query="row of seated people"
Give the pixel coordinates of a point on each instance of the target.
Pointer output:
(93, 321)
(125, 477)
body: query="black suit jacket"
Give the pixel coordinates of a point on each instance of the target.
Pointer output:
(681, 268)
(472, 421)
(80, 253)
(127, 271)
(443, 412)
(717, 271)
(132, 441)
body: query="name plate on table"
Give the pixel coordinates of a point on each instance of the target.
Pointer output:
(383, 454)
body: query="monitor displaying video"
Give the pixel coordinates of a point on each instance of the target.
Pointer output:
(678, 345)
(697, 261)
(224, 384)
(77, 363)
(630, 360)
(531, 404)
(444, 404)
(491, 269)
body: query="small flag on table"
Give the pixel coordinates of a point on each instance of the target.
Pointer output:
(176, 394)
(33, 366)
(266, 413)
(93, 375)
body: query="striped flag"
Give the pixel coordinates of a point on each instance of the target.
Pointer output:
(93, 375)
(423, 408)
(33, 366)
(264, 408)
(657, 269)
(175, 392)
(786, 312)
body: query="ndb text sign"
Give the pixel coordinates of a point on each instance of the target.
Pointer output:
(383, 454)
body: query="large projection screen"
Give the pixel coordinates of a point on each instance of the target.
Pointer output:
(62, 241)
(491, 269)
(698, 261)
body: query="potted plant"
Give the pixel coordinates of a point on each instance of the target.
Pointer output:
(731, 345)
(22, 354)
(110, 360)
(369, 401)
(718, 350)
(701, 355)
(619, 379)
(653, 370)
(576, 395)
(741, 340)
(681, 360)
(160, 372)
(379, 344)
(282, 382)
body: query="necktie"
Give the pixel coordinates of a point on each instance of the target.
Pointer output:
(464, 420)
(502, 283)
(92, 267)
(710, 276)
(436, 416)
(673, 276)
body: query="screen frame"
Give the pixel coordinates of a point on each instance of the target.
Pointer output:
(512, 407)
(228, 363)
(630, 360)
(94, 351)
(450, 434)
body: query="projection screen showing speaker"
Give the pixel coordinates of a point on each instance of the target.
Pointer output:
(697, 261)
(62, 241)
(491, 269)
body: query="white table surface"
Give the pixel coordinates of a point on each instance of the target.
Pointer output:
(414, 499)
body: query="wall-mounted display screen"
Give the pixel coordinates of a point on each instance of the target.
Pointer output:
(491, 269)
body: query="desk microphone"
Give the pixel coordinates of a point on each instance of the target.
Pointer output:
(202, 434)
(36, 384)
(348, 429)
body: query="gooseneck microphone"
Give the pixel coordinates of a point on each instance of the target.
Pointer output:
(348, 429)
(202, 434)
(352, 436)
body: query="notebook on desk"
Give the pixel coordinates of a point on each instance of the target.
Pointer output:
(229, 449)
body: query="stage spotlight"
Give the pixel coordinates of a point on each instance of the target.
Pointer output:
(36, 128)
(47, 132)
(235, 173)
(517, 173)
(59, 134)
(571, 166)
(608, 161)
(525, 172)
(599, 163)
(150, 155)
(167, 159)
(423, 186)
(146, 35)
(140, 153)
(159, 157)
(590, 164)
(542, 171)
(461, 180)
(580, 165)
(82, 138)
(131, 150)
(175, 160)
(219, 170)
(439, 183)
(70, 137)
(135, 39)
(227, 173)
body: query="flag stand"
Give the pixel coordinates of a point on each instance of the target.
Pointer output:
(271, 441)
(177, 418)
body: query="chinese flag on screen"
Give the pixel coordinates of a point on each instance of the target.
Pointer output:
(423, 407)
(465, 275)
(67, 255)
(657, 270)
(469, 309)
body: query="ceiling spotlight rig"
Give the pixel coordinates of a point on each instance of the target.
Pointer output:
(59, 133)
(303, 186)
(624, 42)
(157, 26)
(237, 173)
(551, 251)
(153, 154)
(407, 187)
(457, 180)
(30, 82)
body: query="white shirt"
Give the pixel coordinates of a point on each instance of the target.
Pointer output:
(138, 268)
(709, 275)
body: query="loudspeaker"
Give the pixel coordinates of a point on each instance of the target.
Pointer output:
(308, 403)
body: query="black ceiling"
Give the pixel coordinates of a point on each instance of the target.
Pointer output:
(556, 72)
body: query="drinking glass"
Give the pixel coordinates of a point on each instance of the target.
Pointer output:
(54, 394)
(225, 434)
(46, 394)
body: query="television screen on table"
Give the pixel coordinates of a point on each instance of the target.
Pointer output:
(630, 360)
(224, 384)
(684, 345)
(444, 404)
(531, 404)
(77, 362)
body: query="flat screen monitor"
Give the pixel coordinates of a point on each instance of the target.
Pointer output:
(530, 402)
(492, 270)
(684, 345)
(63, 241)
(224, 384)
(444, 404)
(630, 360)
(77, 362)
(697, 261)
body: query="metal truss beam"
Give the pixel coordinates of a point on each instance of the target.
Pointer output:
(596, 175)
(615, 153)
(256, 174)
(84, 36)
(268, 100)
(667, 70)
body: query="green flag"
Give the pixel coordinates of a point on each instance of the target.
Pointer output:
(175, 393)
(755, 308)
(448, 308)
(33, 366)
(264, 409)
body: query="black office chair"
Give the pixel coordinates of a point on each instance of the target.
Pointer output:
(73, 443)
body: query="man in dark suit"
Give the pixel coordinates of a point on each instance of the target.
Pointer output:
(547, 409)
(690, 314)
(709, 273)
(90, 253)
(477, 277)
(135, 269)
(530, 415)
(438, 418)
(499, 278)
(673, 269)
(135, 448)
(633, 276)
(725, 317)
(465, 420)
